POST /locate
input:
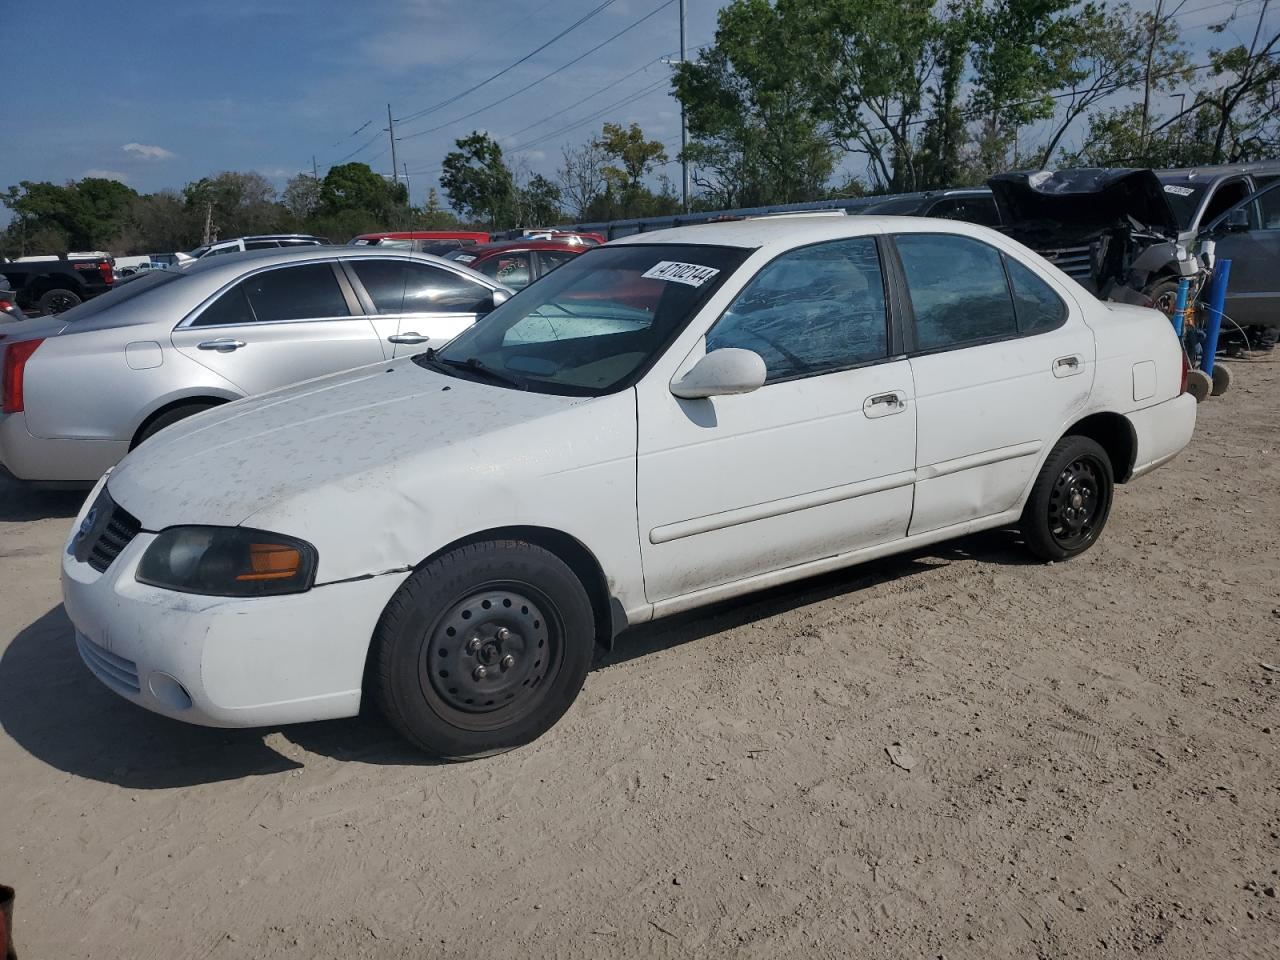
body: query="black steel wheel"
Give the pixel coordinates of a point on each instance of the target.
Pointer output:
(483, 649)
(58, 301)
(488, 654)
(1070, 500)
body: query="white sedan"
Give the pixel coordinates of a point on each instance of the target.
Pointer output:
(667, 421)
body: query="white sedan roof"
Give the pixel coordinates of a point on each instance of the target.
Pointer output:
(784, 232)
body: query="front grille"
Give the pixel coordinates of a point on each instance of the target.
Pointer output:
(1075, 262)
(119, 674)
(121, 528)
(107, 529)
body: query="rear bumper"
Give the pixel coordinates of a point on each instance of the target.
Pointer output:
(25, 457)
(1162, 431)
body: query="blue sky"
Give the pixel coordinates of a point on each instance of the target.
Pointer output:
(161, 94)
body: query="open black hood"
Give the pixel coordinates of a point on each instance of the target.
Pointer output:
(1076, 204)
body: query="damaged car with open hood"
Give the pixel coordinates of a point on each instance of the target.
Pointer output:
(1112, 230)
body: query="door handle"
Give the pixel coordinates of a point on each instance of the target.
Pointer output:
(411, 337)
(222, 345)
(1066, 366)
(883, 405)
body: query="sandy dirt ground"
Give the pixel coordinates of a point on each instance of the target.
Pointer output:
(1094, 742)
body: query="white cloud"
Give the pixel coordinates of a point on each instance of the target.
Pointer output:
(106, 175)
(147, 151)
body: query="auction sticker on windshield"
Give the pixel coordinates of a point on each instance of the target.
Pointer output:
(1177, 190)
(692, 274)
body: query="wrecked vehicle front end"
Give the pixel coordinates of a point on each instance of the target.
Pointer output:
(1111, 230)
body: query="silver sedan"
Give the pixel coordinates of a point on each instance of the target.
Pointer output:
(79, 390)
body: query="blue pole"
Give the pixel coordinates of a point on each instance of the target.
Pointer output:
(1213, 319)
(1180, 307)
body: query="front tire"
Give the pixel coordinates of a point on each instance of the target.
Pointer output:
(169, 418)
(1070, 501)
(483, 649)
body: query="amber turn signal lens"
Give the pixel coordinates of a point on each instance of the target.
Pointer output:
(271, 561)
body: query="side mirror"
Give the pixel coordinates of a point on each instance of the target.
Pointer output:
(496, 299)
(1237, 221)
(720, 373)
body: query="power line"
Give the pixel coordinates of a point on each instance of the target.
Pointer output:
(529, 86)
(644, 91)
(351, 134)
(507, 69)
(364, 146)
(1238, 4)
(559, 113)
(610, 86)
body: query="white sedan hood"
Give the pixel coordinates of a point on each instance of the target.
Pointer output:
(359, 431)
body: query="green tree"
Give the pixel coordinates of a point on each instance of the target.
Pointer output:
(539, 202)
(633, 157)
(478, 181)
(581, 177)
(1245, 101)
(749, 101)
(1115, 49)
(301, 196)
(82, 215)
(355, 187)
(241, 203)
(944, 135)
(433, 215)
(1024, 54)
(869, 74)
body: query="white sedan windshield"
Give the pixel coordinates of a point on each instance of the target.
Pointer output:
(596, 323)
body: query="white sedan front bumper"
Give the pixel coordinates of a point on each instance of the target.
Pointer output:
(218, 661)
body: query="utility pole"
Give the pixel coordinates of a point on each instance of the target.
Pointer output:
(405, 166)
(391, 129)
(684, 126)
(315, 171)
(1182, 120)
(208, 221)
(1156, 24)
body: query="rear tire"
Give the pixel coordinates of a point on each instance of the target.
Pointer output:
(483, 649)
(1070, 501)
(169, 418)
(58, 300)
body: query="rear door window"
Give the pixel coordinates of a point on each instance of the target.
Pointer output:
(958, 290)
(230, 308)
(1037, 307)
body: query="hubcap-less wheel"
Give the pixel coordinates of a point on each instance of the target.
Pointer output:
(60, 303)
(483, 648)
(488, 654)
(1075, 503)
